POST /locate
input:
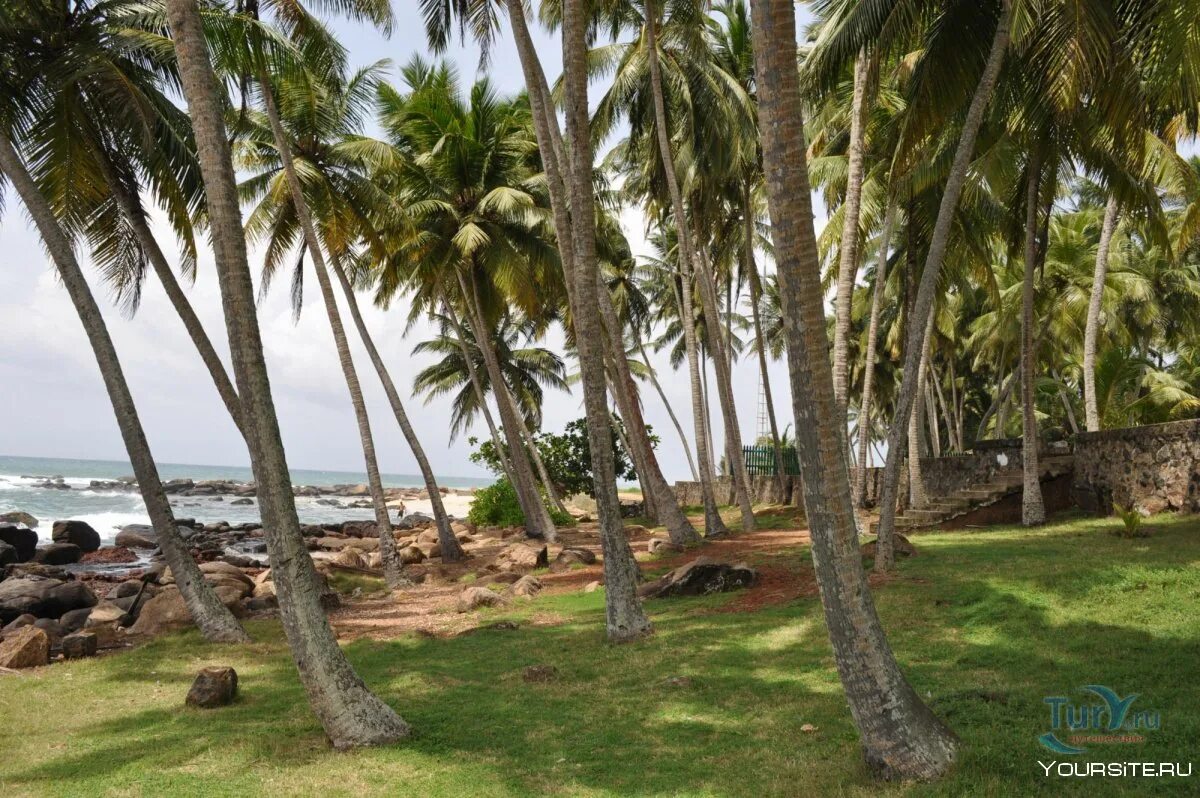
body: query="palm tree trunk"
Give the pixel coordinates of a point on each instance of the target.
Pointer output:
(1092, 330)
(625, 618)
(939, 240)
(901, 737)
(760, 343)
(136, 218)
(451, 550)
(687, 448)
(931, 419)
(539, 465)
(480, 395)
(917, 495)
(349, 713)
(848, 248)
(215, 622)
(625, 393)
(691, 260)
(1033, 509)
(538, 523)
(392, 568)
(864, 413)
(1072, 422)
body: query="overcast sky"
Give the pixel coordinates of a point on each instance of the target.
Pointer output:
(54, 404)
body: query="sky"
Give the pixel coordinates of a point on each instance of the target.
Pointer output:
(54, 404)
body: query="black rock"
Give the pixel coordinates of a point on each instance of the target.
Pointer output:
(58, 554)
(23, 540)
(77, 532)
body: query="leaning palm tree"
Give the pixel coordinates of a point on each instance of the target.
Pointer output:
(907, 740)
(40, 97)
(350, 714)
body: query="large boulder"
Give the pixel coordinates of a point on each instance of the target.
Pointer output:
(42, 597)
(521, 557)
(137, 536)
(22, 539)
(224, 569)
(79, 645)
(411, 555)
(351, 558)
(902, 547)
(472, 598)
(27, 647)
(58, 554)
(213, 687)
(700, 577)
(18, 517)
(527, 586)
(571, 556)
(78, 532)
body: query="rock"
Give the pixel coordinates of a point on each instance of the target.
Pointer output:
(213, 687)
(415, 521)
(700, 577)
(110, 554)
(242, 502)
(18, 622)
(107, 612)
(572, 555)
(58, 554)
(42, 596)
(473, 598)
(430, 549)
(520, 556)
(167, 611)
(262, 603)
(79, 645)
(411, 555)
(20, 538)
(137, 536)
(635, 530)
(264, 590)
(351, 558)
(27, 647)
(527, 586)
(74, 620)
(8, 554)
(52, 629)
(662, 546)
(18, 517)
(900, 545)
(592, 587)
(217, 567)
(240, 561)
(540, 673)
(77, 532)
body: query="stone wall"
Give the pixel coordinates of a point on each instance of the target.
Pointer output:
(1153, 468)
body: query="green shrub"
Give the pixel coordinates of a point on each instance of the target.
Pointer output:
(1132, 518)
(497, 505)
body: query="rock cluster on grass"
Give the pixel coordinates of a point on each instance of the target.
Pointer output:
(902, 546)
(701, 577)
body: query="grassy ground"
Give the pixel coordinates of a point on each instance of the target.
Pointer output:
(986, 624)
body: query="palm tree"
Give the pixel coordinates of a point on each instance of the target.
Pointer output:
(350, 714)
(1092, 414)
(474, 225)
(626, 620)
(906, 741)
(38, 97)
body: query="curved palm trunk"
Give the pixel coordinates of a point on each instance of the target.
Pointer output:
(1033, 509)
(687, 447)
(451, 550)
(625, 618)
(901, 737)
(848, 249)
(939, 240)
(136, 218)
(538, 523)
(624, 391)
(392, 569)
(864, 413)
(1092, 330)
(477, 385)
(215, 622)
(349, 713)
(692, 266)
(539, 465)
(917, 495)
(760, 344)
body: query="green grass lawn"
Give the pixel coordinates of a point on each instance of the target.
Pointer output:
(986, 624)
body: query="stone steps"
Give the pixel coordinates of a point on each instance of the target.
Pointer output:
(940, 509)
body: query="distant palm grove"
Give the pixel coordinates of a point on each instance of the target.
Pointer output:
(1012, 250)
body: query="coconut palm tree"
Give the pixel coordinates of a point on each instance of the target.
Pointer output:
(906, 741)
(349, 713)
(46, 106)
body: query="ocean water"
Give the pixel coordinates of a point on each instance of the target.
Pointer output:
(108, 511)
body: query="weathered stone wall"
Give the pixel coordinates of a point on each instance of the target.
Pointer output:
(1153, 468)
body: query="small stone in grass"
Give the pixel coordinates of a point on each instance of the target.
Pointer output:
(540, 673)
(214, 687)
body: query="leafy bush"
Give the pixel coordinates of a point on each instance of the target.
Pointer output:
(1132, 518)
(497, 505)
